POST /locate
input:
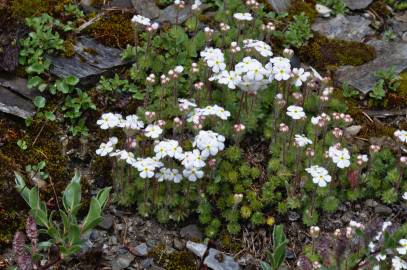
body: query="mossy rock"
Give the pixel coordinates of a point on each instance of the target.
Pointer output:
(28, 8)
(114, 29)
(307, 7)
(327, 54)
(177, 260)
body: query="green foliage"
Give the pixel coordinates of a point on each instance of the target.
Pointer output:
(277, 255)
(337, 6)
(298, 31)
(65, 232)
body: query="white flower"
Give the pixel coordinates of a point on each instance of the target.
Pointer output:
(301, 140)
(402, 250)
(185, 104)
(179, 69)
(193, 159)
(243, 16)
(113, 140)
(363, 158)
(146, 166)
(153, 131)
(281, 73)
(229, 78)
(104, 149)
(261, 47)
(300, 76)
(295, 112)
(398, 263)
(109, 120)
(196, 5)
(217, 63)
(193, 174)
(319, 175)
(124, 155)
(405, 196)
(380, 257)
(176, 177)
(209, 142)
(401, 135)
(141, 20)
(133, 122)
(340, 157)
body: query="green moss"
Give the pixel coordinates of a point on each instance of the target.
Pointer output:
(11, 221)
(177, 260)
(307, 7)
(12, 158)
(327, 54)
(114, 29)
(69, 49)
(28, 8)
(228, 243)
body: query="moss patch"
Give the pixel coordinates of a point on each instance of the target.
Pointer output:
(114, 29)
(328, 54)
(28, 8)
(12, 158)
(177, 260)
(307, 7)
(380, 8)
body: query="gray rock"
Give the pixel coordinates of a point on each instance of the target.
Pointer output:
(191, 232)
(371, 203)
(357, 4)
(216, 260)
(383, 209)
(178, 244)
(196, 248)
(322, 10)
(389, 54)
(87, 65)
(18, 85)
(14, 104)
(169, 14)
(353, 28)
(141, 250)
(280, 5)
(352, 130)
(293, 216)
(122, 261)
(147, 263)
(120, 3)
(146, 8)
(107, 222)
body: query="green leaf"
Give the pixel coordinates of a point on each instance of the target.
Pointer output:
(94, 216)
(71, 80)
(50, 116)
(34, 82)
(265, 266)
(36, 68)
(72, 197)
(63, 87)
(39, 102)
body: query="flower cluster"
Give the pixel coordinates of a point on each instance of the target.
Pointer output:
(214, 58)
(340, 156)
(401, 135)
(319, 175)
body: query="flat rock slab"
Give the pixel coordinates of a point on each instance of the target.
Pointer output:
(15, 97)
(146, 8)
(15, 104)
(389, 54)
(357, 4)
(351, 28)
(280, 5)
(91, 60)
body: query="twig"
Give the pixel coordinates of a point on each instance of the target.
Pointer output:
(367, 116)
(90, 22)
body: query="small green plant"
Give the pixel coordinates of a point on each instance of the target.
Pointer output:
(22, 144)
(389, 81)
(389, 35)
(337, 6)
(62, 227)
(277, 255)
(348, 91)
(36, 173)
(298, 32)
